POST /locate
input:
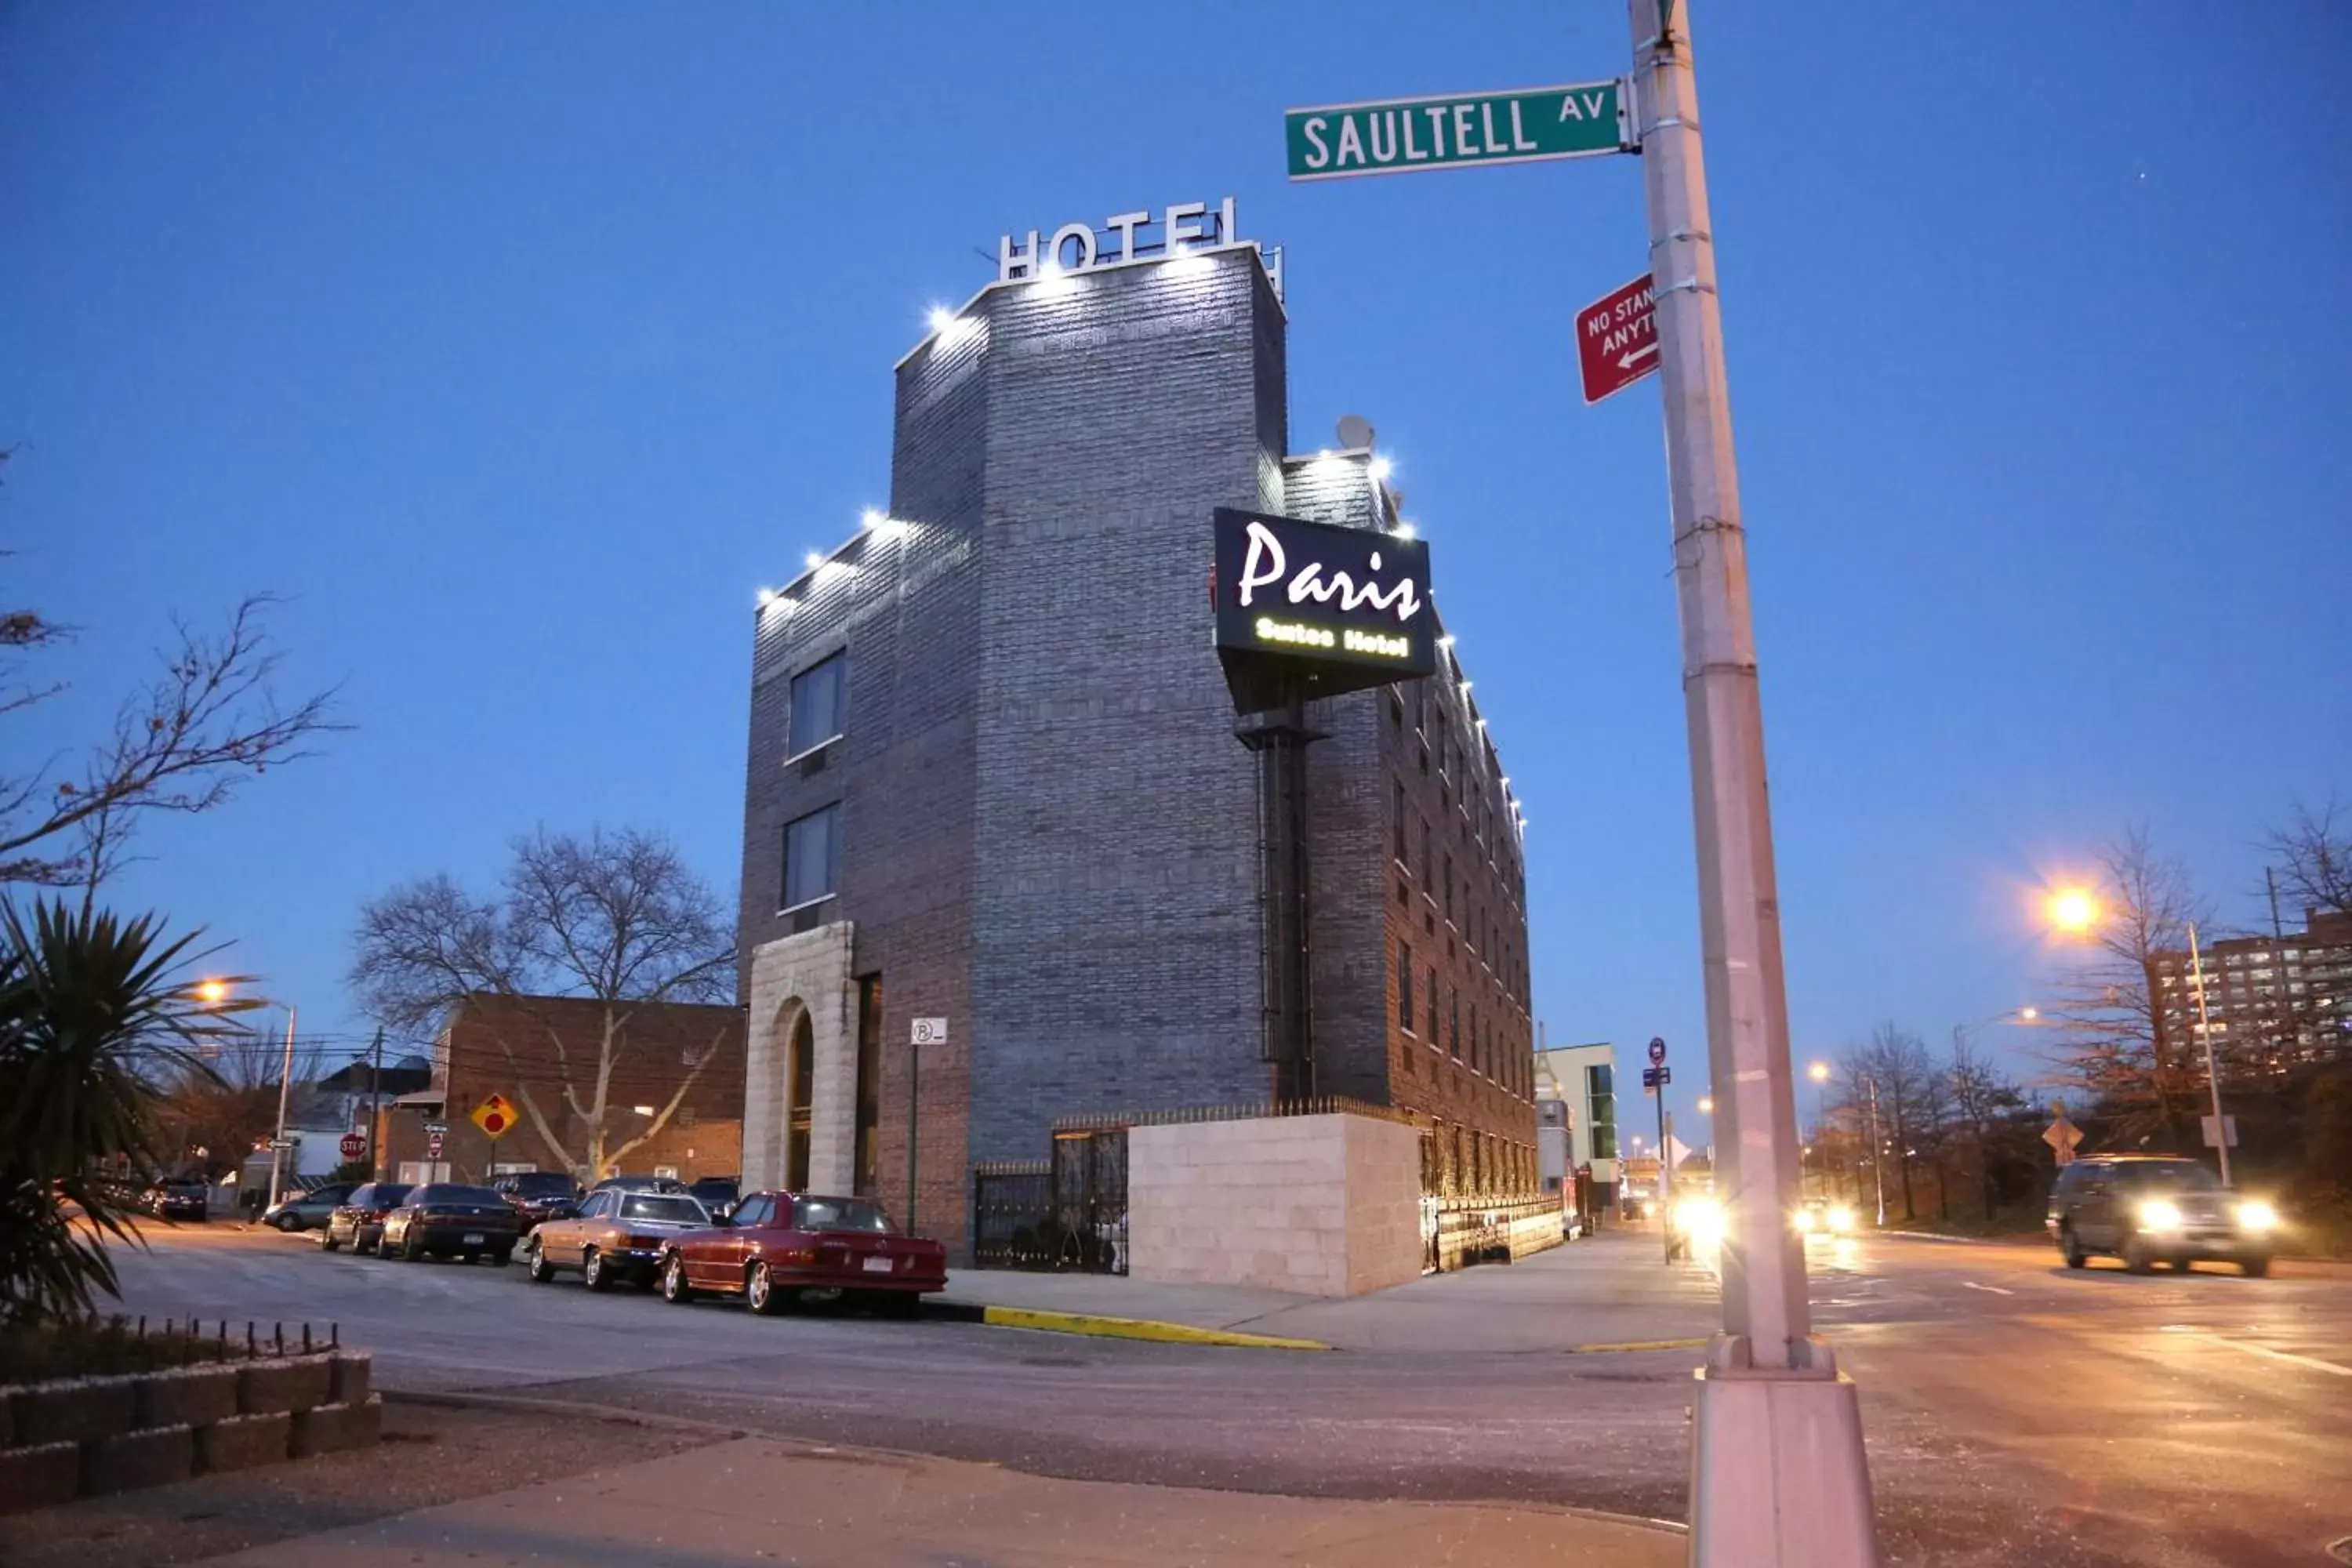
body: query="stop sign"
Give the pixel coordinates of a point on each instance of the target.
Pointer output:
(352, 1146)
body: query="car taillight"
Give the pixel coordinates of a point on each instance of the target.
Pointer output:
(798, 1254)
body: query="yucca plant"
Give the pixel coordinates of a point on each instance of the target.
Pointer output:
(93, 1010)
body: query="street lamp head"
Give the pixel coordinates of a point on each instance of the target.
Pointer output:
(1706, 1105)
(2028, 1014)
(212, 993)
(2072, 910)
(1819, 1072)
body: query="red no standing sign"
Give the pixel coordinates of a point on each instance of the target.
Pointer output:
(1616, 339)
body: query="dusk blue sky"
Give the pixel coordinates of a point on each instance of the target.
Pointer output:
(518, 345)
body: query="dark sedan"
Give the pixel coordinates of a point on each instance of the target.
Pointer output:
(443, 1219)
(358, 1222)
(540, 1196)
(177, 1200)
(790, 1246)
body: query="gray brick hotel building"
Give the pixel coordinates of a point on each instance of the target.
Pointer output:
(995, 792)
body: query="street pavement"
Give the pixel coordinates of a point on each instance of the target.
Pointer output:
(2017, 1412)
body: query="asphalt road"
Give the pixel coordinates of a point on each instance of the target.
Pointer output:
(2017, 1412)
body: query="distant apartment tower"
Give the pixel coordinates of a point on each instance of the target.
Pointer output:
(995, 797)
(2275, 1003)
(1576, 1115)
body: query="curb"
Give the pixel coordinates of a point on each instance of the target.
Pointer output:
(1045, 1321)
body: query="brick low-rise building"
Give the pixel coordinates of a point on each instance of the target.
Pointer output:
(995, 793)
(676, 1071)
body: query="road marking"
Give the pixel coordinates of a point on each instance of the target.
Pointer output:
(1638, 1345)
(2289, 1356)
(1994, 1289)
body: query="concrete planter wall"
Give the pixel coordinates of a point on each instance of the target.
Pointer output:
(87, 1436)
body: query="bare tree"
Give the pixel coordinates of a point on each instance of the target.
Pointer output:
(1910, 1105)
(2315, 858)
(617, 919)
(224, 1101)
(1984, 1099)
(208, 720)
(2117, 1040)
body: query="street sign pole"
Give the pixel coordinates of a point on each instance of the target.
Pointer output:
(1769, 1391)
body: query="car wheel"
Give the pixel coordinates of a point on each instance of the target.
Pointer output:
(760, 1290)
(674, 1287)
(2257, 1265)
(2136, 1255)
(541, 1270)
(594, 1272)
(413, 1250)
(287, 1224)
(327, 1242)
(2071, 1246)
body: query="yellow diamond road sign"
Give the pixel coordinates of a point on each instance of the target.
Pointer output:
(495, 1115)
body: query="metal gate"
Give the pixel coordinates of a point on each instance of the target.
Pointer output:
(1065, 1213)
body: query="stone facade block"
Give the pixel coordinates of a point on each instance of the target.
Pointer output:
(129, 1460)
(348, 1381)
(39, 1476)
(1328, 1206)
(241, 1442)
(808, 975)
(186, 1396)
(71, 1409)
(289, 1383)
(330, 1428)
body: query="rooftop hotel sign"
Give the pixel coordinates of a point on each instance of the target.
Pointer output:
(1317, 609)
(1399, 136)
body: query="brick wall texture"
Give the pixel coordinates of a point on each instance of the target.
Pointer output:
(1048, 829)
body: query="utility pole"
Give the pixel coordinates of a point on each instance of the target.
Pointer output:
(1770, 1392)
(1877, 1154)
(2213, 1076)
(277, 1143)
(914, 1082)
(1665, 1174)
(375, 1106)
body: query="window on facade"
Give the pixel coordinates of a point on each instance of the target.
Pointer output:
(811, 856)
(1428, 856)
(1477, 1044)
(1449, 887)
(1396, 812)
(1434, 1042)
(1404, 986)
(1454, 1022)
(820, 694)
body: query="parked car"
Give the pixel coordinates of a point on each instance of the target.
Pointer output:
(2152, 1208)
(786, 1247)
(446, 1220)
(1819, 1216)
(358, 1222)
(539, 1196)
(716, 1194)
(639, 1184)
(616, 1234)
(311, 1210)
(176, 1200)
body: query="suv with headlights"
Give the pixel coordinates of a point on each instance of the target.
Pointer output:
(2152, 1208)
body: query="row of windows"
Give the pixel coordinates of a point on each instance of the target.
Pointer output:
(1460, 1161)
(1476, 922)
(1491, 1048)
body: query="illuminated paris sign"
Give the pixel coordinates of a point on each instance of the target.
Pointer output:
(1125, 236)
(1318, 609)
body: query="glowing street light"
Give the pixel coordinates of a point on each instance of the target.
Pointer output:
(1819, 1072)
(212, 993)
(2072, 910)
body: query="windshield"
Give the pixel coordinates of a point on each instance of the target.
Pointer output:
(383, 1195)
(443, 1193)
(838, 1213)
(2173, 1176)
(676, 1211)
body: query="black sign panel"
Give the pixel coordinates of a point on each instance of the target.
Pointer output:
(1310, 609)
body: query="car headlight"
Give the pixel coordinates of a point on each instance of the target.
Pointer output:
(2256, 1214)
(1807, 1221)
(1701, 1219)
(1842, 1219)
(2160, 1214)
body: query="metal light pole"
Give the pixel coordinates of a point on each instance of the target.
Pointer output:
(1877, 1154)
(1777, 1471)
(285, 1086)
(2213, 1076)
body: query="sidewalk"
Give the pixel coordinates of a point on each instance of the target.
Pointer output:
(756, 1501)
(1607, 1289)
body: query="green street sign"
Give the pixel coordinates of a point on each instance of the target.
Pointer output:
(1341, 141)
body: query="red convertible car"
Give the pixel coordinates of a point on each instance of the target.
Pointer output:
(784, 1246)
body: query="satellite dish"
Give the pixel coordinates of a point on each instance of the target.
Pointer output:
(1355, 432)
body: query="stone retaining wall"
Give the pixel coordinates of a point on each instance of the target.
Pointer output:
(87, 1436)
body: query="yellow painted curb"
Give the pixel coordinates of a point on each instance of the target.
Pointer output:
(1138, 1329)
(1638, 1345)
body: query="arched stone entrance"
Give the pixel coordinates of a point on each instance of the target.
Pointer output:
(800, 1088)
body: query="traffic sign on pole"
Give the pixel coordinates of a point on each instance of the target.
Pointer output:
(495, 1115)
(1657, 1052)
(1403, 135)
(352, 1146)
(1617, 340)
(432, 1145)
